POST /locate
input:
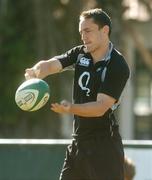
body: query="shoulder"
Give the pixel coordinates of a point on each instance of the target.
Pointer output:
(77, 49)
(118, 63)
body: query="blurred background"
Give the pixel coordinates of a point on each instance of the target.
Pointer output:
(34, 30)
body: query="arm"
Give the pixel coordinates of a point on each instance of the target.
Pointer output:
(43, 69)
(91, 109)
(54, 65)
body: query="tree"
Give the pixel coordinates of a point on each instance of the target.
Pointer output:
(39, 29)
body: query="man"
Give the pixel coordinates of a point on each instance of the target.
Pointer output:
(96, 152)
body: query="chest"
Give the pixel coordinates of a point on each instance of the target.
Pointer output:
(88, 77)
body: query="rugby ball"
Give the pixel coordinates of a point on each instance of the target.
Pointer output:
(32, 94)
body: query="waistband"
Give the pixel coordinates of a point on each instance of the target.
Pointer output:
(108, 132)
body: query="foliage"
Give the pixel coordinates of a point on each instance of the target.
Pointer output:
(15, 52)
(32, 30)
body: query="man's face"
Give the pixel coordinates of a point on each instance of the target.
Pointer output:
(91, 35)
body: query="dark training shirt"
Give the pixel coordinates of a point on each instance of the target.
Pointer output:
(88, 83)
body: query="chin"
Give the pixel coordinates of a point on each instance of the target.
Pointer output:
(89, 49)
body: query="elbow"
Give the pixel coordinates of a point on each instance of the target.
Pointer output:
(102, 109)
(101, 112)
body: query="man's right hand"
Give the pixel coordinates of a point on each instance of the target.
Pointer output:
(35, 71)
(30, 73)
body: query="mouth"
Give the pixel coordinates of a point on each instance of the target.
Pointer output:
(87, 43)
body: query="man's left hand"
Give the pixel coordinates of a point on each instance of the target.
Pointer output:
(63, 107)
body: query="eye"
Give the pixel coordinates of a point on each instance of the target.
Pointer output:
(88, 31)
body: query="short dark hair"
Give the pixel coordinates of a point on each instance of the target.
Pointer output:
(100, 17)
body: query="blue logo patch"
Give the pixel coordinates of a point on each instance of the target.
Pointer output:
(84, 62)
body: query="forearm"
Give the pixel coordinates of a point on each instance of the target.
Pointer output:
(43, 68)
(91, 109)
(53, 66)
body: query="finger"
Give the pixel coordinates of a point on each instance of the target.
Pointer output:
(26, 75)
(55, 109)
(29, 74)
(27, 70)
(55, 105)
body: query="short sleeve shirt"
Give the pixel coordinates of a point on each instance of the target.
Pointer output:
(88, 83)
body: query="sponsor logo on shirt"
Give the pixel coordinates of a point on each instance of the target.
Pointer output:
(84, 62)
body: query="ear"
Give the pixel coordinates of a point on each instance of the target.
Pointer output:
(105, 29)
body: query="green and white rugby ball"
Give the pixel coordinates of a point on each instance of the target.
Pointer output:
(32, 94)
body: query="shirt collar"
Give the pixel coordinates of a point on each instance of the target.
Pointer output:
(108, 54)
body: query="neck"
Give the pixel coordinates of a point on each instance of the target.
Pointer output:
(100, 52)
